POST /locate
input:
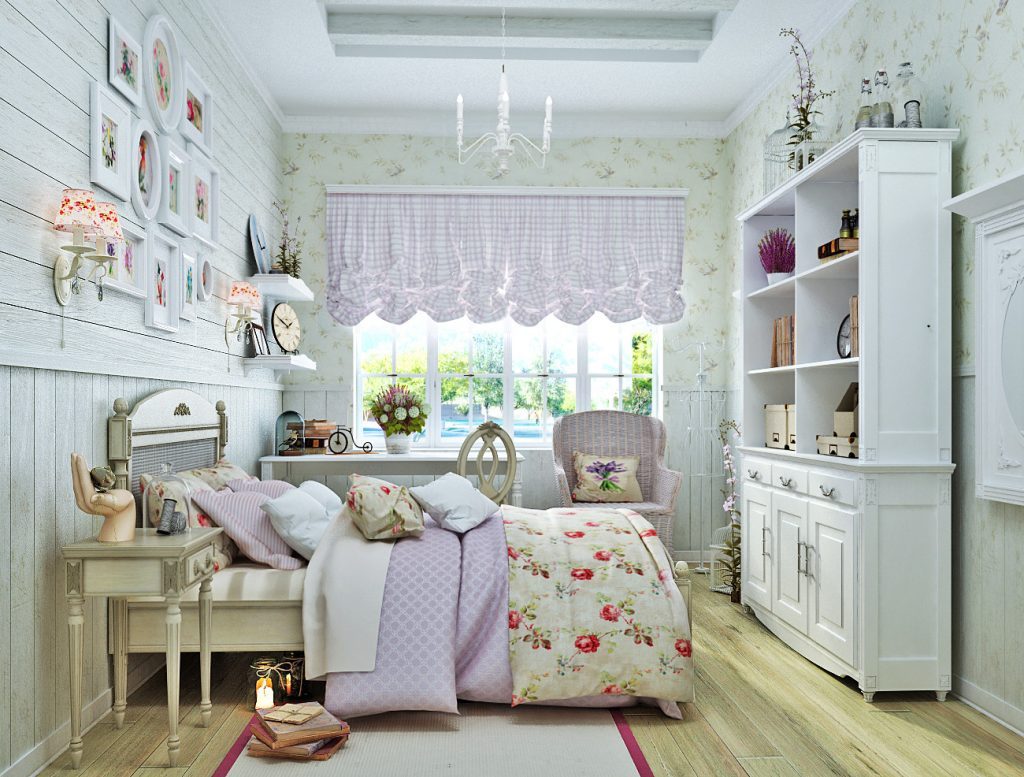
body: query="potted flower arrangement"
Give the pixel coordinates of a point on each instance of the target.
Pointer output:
(400, 413)
(777, 251)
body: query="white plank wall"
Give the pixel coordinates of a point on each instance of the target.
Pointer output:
(56, 400)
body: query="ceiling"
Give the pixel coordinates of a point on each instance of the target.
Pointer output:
(639, 68)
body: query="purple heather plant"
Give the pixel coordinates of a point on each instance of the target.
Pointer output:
(777, 251)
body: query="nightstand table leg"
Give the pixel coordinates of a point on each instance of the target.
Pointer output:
(173, 622)
(120, 616)
(76, 622)
(205, 625)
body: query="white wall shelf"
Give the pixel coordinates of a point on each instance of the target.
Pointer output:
(281, 286)
(284, 363)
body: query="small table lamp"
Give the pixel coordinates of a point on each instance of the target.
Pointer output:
(244, 297)
(77, 215)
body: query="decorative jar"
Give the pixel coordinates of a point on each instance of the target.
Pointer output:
(398, 442)
(264, 684)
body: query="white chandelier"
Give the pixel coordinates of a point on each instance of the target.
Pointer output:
(503, 137)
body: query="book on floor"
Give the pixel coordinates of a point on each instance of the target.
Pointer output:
(320, 750)
(276, 734)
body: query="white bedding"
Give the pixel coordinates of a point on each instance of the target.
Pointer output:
(346, 579)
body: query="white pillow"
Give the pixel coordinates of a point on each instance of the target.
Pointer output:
(299, 519)
(321, 493)
(454, 503)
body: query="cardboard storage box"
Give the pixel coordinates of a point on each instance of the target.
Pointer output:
(791, 427)
(776, 425)
(845, 417)
(844, 447)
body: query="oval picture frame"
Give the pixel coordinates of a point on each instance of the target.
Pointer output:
(204, 288)
(164, 79)
(146, 171)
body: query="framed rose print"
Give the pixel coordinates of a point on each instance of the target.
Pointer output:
(204, 196)
(174, 202)
(164, 79)
(162, 285)
(197, 117)
(124, 68)
(109, 141)
(128, 268)
(189, 285)
(204, 287)
(147, 175)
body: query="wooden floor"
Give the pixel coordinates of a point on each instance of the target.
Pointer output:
(761, 710)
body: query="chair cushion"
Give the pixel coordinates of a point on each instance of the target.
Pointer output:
(606, 478)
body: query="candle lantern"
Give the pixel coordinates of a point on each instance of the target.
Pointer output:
(293, 676)
(264, 684)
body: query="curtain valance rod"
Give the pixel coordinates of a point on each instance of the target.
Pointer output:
(514, 191)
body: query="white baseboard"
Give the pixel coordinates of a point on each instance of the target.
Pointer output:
(1001, 711)
(54, 745)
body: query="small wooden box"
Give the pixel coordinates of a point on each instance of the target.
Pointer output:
(776, 425)
(844, 447)
(844, 419)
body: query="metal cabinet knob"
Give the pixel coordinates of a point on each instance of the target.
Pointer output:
(786, 482)
(828, 493)
(753, 474)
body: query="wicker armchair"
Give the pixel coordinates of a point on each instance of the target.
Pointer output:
(611, 432)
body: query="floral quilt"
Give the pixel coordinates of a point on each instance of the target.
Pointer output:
(593, 607)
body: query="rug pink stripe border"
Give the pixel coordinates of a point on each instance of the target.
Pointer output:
(639, 760)
(643, 769)
(235, 751)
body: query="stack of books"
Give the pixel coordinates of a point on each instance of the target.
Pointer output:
(299, 732)
(841, 246)
(784, 342)
(313, 437)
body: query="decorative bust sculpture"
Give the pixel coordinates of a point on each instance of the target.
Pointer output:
(117, 506)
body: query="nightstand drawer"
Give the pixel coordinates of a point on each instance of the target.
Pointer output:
(198, 564)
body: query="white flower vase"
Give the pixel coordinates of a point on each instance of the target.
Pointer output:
(778, 277)
(398, 443)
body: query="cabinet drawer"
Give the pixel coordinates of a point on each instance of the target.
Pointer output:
(833, 488)
(756, 471)
(789, 478)
(198, 564)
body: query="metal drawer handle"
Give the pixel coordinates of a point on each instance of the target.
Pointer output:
(800, 570)
(753, 474)
(830, 493)
(764, 543)
(786, 482)
(807, 560)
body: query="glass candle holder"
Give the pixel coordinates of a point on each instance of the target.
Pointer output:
(264, 684)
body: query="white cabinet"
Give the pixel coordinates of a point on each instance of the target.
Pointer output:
(757, 561)
(829, 573)
(789, 527)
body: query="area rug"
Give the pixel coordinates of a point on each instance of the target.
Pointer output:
(485, 740)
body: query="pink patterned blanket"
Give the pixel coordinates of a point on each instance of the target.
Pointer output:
(447, 624)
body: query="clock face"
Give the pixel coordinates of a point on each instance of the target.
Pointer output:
(285, 324)
(843, 342)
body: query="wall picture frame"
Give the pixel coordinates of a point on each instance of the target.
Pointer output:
(204, 286)
(174, 210)
(204, 197)
(164, 80)
(110, 129)
(189, 285)
(130, 260)
(197, 115)
(124, 66)
(147, 171)
(162, 285)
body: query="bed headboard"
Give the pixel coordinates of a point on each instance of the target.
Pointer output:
(173, 426)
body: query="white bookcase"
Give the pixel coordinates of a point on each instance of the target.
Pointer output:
(848, 560)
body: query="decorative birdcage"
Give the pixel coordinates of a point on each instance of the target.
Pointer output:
(778, 153)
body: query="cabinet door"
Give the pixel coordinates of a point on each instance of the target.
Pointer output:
(757, 561)
(789, 586)
(831, 579)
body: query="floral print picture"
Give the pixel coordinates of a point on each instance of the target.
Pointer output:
(145, 171)
(128, 67)
(202, 200)
(193, 110)
(165, 285)
(160, 283)
(195, 123)
(162, 74)
(108, 142)
(172, 183)
(125, 57)
(204, 194)
(164, 84)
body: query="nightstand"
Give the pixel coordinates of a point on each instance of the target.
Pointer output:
(149, 565)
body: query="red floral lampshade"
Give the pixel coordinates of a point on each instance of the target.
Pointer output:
(77, 212)
(244, 294)
(109, 222)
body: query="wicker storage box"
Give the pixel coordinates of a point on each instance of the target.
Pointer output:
(776, 425)
(844, 447)
(844, 420)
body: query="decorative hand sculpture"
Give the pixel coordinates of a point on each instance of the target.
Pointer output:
(116, 506)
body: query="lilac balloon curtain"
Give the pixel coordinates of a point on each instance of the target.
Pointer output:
(494, 256)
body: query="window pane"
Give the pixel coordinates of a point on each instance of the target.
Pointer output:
(604, 393)
(561, 346)
(375, 347)
(528, 404)
(527, 348)
(561, 396)
(453, 339)
(369, 428)
(637, 398)
(454, 408)
(641, 345)
(489, 349)
(603, 346)
(411, 346)
(488, 398)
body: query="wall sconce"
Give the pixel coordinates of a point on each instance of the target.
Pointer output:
(83, 217)
(244, 297)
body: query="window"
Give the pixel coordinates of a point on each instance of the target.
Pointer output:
(520, 377)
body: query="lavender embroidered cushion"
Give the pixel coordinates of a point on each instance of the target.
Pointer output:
(606, 478)
(382, 510)
(243, 520)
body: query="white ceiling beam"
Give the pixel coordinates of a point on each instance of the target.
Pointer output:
(631, 8)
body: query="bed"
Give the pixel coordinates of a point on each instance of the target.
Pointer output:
(256, 608)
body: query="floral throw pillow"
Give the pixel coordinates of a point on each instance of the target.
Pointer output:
(220, 474)
(606, 478)
(382, 510)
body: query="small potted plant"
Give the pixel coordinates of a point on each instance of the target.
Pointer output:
(778, 254)
(400, 413)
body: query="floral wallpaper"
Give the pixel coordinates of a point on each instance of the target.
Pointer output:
(313, 161)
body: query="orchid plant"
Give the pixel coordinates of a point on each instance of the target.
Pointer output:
(732, 551)
(399, 410)
(807, 96)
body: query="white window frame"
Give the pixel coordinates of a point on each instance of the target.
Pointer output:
(432, 439)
